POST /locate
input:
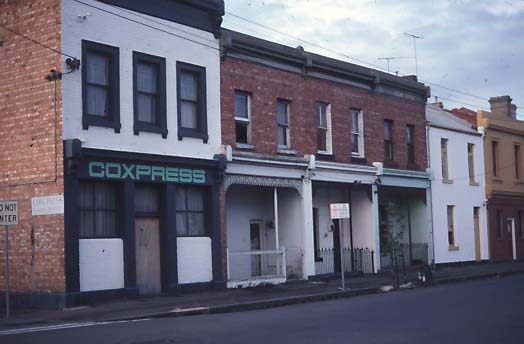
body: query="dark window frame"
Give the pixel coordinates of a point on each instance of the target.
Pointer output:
(450, 211)
(201, 131)
(206, 212)
(521, 224)
(113, 120)
(160, 127)
(388, 143)
(118, 210)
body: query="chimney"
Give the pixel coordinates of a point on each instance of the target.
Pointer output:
(502, 107)
(438, 104)
(410, 77)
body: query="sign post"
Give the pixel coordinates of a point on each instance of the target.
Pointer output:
(8, 217)
(340, 211)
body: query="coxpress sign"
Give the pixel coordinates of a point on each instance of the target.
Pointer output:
(8, 213)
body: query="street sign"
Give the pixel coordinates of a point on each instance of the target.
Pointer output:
(8, 217)
(339, 210)
(8, 213)
(47, 205)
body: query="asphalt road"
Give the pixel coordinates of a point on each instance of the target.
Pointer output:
(487, 311)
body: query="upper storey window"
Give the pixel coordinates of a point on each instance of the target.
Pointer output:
(191, 100)
(323, 128)
(243, 117)
(100, 86)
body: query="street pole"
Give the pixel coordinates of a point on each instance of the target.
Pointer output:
(342, 267)
(7, 272)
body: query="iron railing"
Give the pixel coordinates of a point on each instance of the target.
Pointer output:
(327, 261)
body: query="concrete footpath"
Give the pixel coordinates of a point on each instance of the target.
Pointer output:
(229, 300)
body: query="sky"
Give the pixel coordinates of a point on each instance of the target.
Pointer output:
(472, 46)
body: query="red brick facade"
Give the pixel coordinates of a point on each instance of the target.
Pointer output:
(31, 153)
(267, 84)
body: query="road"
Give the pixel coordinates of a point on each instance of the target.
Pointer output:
(486, 311)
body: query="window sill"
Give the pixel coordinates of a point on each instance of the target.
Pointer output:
(244, 146)
(519, 182)
(325, 156)
(148, 128)
(447, 181)
(358, 159)
(96, 121)
(453, 248)
(287, 151)
(188, 132)
(473, 183)
(496, 180)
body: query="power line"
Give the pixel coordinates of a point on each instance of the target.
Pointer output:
(35, 41)
(350, 57)
(146, 25)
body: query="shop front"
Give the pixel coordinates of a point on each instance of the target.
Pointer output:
(139, 223)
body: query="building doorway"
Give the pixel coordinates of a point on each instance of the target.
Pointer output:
(147, 240)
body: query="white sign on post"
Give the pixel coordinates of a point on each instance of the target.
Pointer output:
(339, 210)
(47, 205)
(8, 213)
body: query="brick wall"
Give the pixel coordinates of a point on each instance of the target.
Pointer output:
(267, 84)
(27, 138)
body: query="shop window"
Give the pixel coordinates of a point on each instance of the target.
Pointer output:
(100, 86)
(243, 117)
(323, 111)
(410, 142)
(191, 101)
(388, 140)
(149, 94)
(190, 211)
(283, 117)
(98, 210)
(356, 127)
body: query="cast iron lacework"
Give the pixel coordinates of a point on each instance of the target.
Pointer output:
(263, 181)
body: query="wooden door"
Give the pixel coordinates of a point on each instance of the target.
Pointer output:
(256, 263)
(147, 246)
(476, 228)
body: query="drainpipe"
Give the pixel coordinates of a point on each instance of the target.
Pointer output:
(429, 198)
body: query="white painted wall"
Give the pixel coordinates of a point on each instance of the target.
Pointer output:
(291, 222)
(194, 260)
(128, 36)
(460, 194)
(362, 219)
(101, 264)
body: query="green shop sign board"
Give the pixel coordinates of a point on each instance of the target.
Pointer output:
(116, 170)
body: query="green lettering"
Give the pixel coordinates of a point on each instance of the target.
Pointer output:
(158, 171)
(96, 169)
(171, 174)
(128, 171)
(199, 176)
(185, 175)
(113, 170)
(142, 170)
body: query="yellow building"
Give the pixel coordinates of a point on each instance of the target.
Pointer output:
(503, 146)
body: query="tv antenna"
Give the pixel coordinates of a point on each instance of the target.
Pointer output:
(415, 48)
(389, 58)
